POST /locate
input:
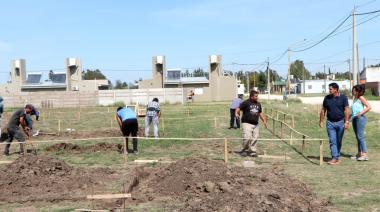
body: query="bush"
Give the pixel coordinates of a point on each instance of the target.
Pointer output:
(117, 104)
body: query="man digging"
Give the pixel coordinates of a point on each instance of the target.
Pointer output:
(17, 119)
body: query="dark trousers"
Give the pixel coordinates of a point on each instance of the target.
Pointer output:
(130, 127)
(14, 133)
(233, 118)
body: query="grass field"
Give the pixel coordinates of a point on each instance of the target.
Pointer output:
(351, 186)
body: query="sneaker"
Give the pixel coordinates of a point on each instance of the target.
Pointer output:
(253, 154)
(21, 153)
(136, 152)
(362, 158)
(355, 157)
(333, 162)
(243, 154)
(230, 128)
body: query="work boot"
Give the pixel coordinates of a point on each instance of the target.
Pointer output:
(134, 142)
(21, 149)
(6, 150)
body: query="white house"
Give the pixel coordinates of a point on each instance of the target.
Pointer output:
(371, 78)
(322, 86)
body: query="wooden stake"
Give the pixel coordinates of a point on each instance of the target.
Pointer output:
(282, 130)
(284, 117)
(274, 126)
(109, 196)
(59, 125)
(225, 150)
(320, 152)
(291, 137)
(303, 143)
(215, 122)
(163, 124)
(293, 121)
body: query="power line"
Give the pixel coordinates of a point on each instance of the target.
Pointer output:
(366, 13)
(326, 37)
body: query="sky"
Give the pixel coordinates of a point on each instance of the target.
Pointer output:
(119, 37)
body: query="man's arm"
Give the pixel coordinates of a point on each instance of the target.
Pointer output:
(264, 119)
(346, 117)
(24, 126)
(118, 120)
(322, 115)
(237, 112)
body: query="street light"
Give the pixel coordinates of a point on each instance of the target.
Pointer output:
(289, 51)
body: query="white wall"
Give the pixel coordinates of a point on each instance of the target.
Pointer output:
(318, 86)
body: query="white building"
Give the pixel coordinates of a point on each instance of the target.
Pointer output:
(322, 86)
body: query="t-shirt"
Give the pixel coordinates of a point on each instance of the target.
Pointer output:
(235, 103)
(335, 107)
(251, 111)
(152, 109)
(126, 113)
(14, 121)
(357, 107)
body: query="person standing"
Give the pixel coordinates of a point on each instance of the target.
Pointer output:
(235, 104)
(153, 113)
(127, 120)
(252, 111)
(17, 119)
(336, 106)
(360, 106)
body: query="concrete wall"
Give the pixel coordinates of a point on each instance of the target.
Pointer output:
(141, 96)
(318, 86)
(54, 99)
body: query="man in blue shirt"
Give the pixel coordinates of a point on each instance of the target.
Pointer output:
(127, 120)
(336, 106)
(235, 104)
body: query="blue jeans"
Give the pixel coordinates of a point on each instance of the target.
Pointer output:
(359, 124)
(335, 131)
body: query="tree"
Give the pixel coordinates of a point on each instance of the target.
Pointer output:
(320, 75)
(93, 74)
(298, 70)
(375, 66)
(120, 85)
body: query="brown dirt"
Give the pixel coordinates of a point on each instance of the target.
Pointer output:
(69, 147)
(204, 185)
(42, 178)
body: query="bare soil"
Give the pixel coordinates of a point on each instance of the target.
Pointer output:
(198, 184)
(42, 178)
(74, 148)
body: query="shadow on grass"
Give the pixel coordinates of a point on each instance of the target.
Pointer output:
(325, 159)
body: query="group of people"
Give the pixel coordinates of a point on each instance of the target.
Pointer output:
(22, 117)
(127, 120)
(335, 105)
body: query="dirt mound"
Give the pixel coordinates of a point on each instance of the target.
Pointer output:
(31, 178)
(68, 147)
(204, 185)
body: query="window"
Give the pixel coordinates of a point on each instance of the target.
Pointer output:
(174, 75)
(310, 87)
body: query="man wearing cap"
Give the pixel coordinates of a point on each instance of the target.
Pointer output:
(17, 119)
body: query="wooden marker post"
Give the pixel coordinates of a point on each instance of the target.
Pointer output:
(59, 125)
(225, 150)
(215, 122)
(303, 143)
(320, 152)
(293, 121)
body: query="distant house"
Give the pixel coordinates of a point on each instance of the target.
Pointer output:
(322, 86)
(370, 76)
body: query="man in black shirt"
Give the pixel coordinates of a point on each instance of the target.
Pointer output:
(252, 111)
(17, 119)
(336, 106)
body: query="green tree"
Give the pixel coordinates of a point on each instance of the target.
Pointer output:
(93, 74)
(298, 70)
(120, 85)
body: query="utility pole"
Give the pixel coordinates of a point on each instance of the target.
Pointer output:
(248, 82)
(254, 79)
(357, 63)
(324, 71)
(268, 83)
(288, 72)
(303, 76)
(354, 49)
(349, 71)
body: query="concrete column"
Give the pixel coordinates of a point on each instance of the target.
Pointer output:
(73, 73)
